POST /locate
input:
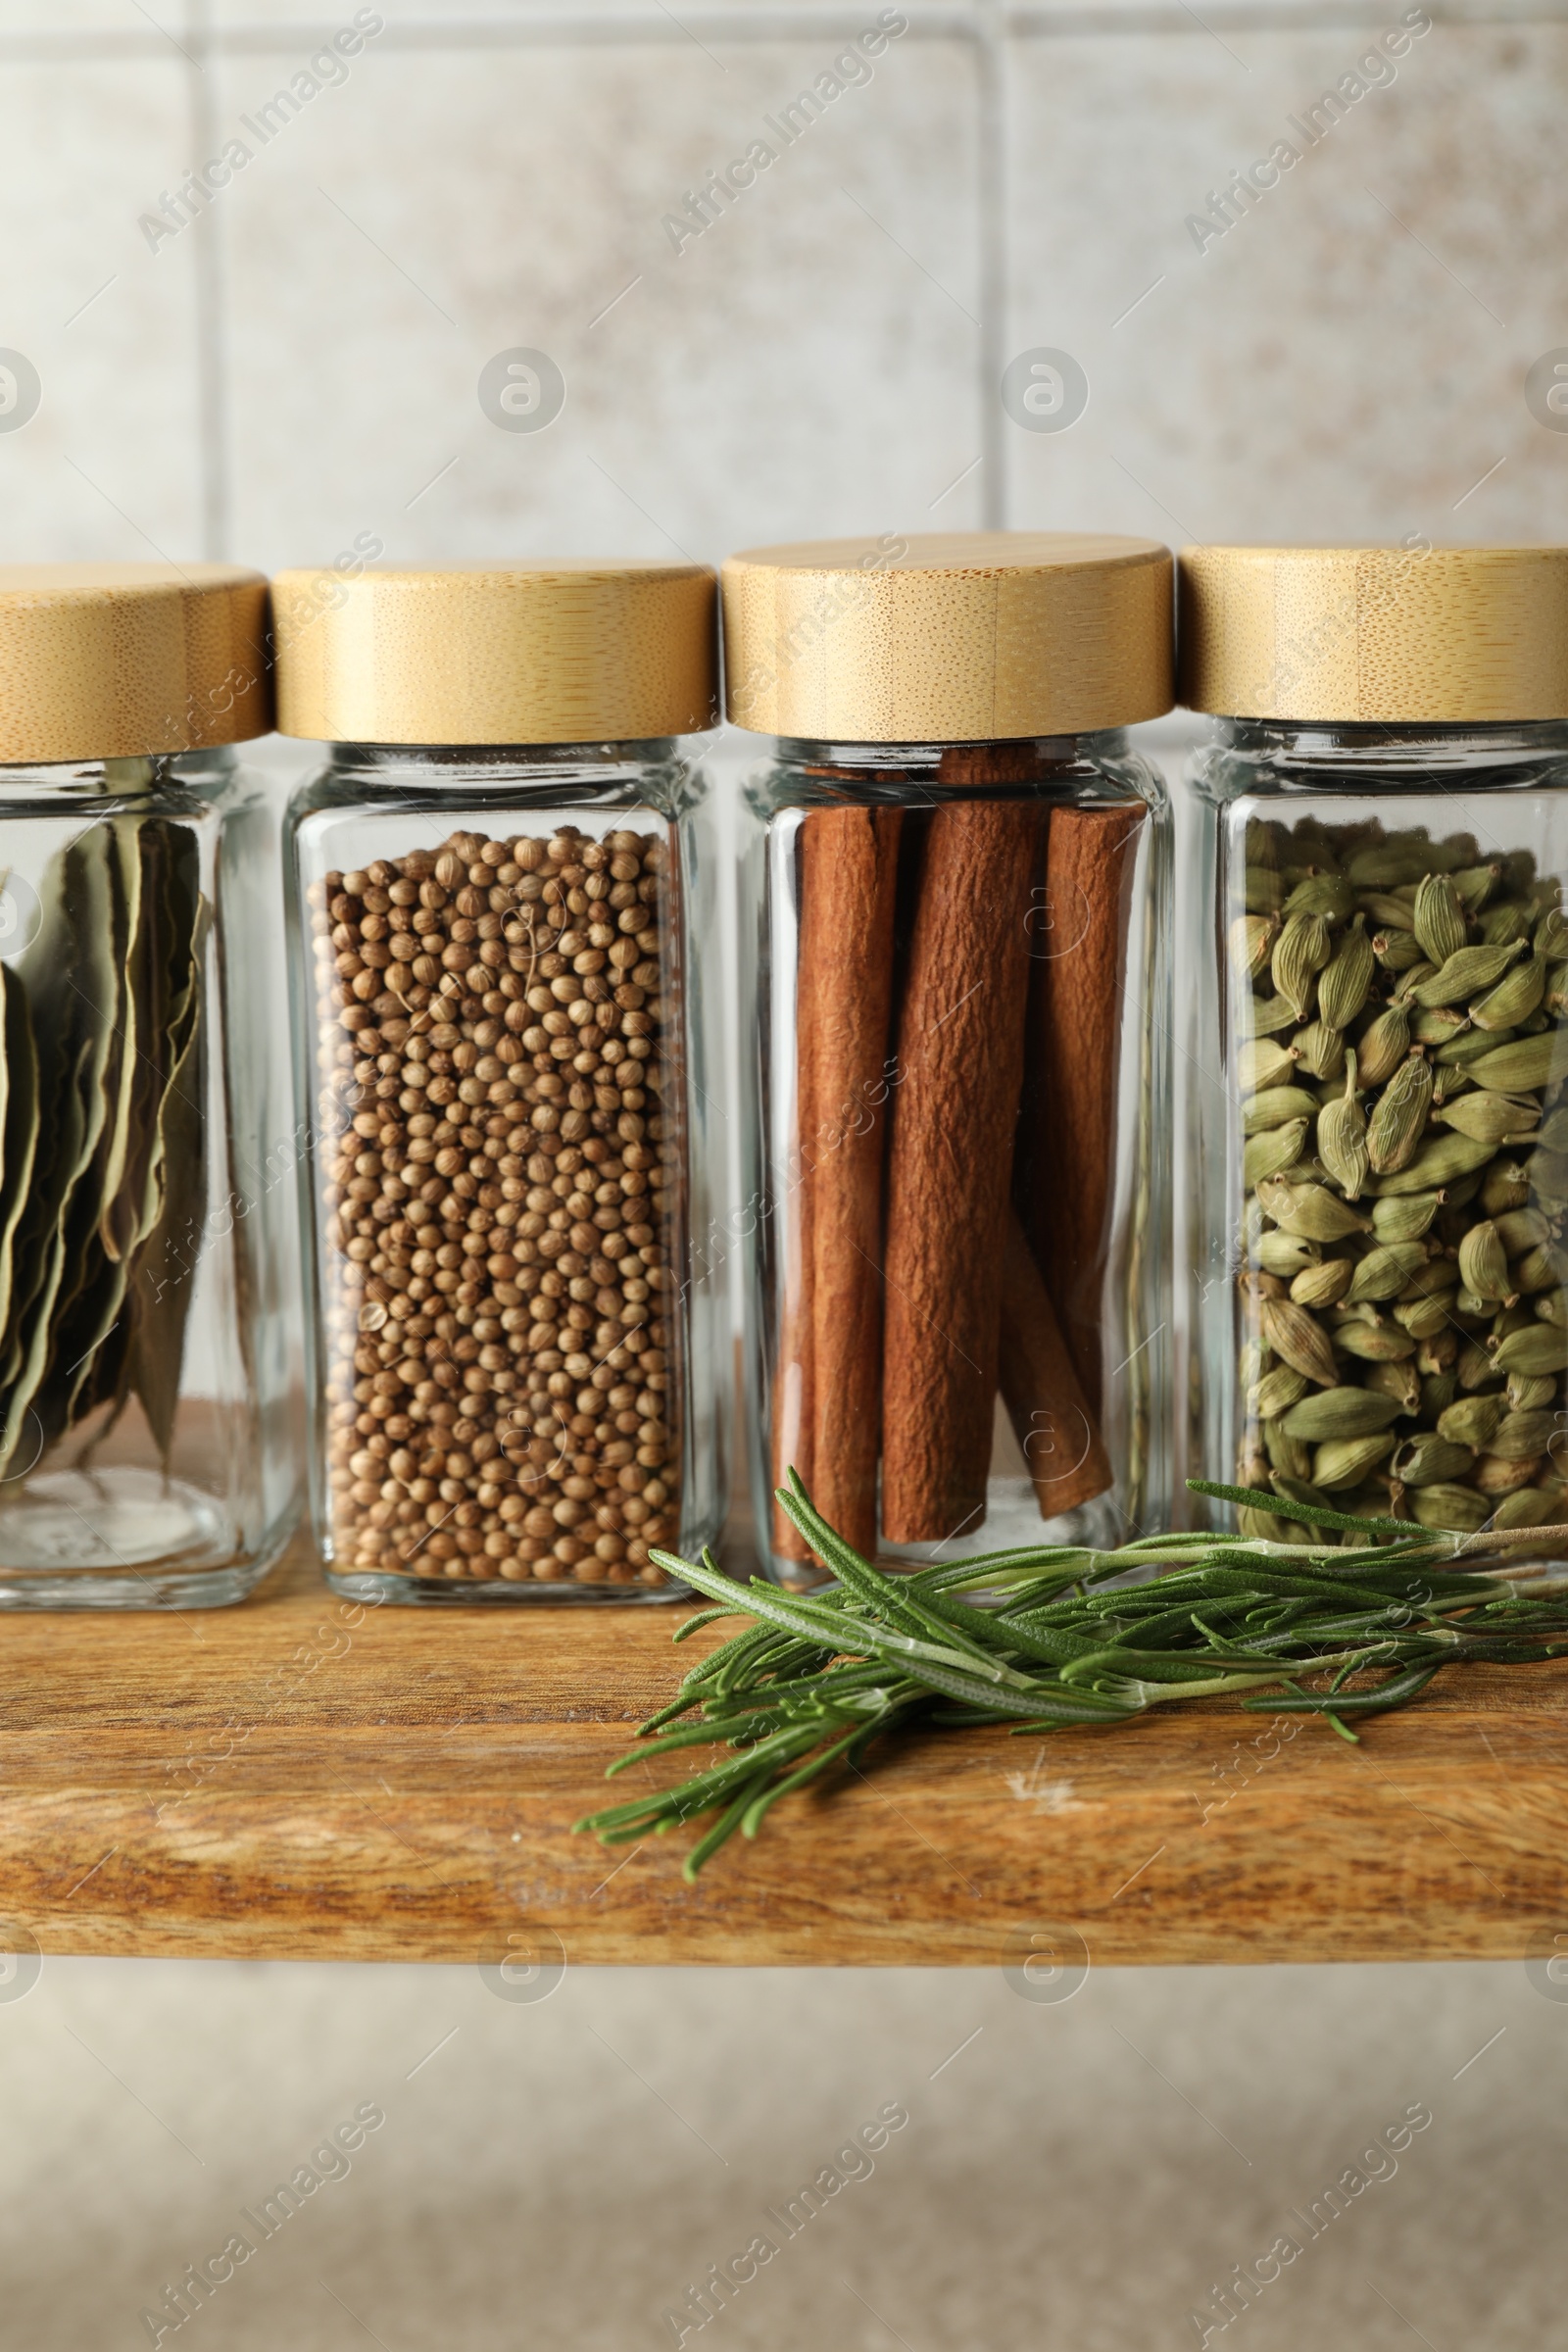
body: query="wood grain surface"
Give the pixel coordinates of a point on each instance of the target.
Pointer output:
(293, 1779)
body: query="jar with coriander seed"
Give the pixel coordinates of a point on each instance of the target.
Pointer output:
(1374, 1096)
(500, 876)
(953, 1035)
(147, 1453)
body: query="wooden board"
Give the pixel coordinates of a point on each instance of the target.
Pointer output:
(293, 1779)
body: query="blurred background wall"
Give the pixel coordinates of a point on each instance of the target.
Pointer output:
(303, 359)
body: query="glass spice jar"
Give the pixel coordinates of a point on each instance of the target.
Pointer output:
(1375, 955)
(504, 1046)
(953, 929)
(146, 1454)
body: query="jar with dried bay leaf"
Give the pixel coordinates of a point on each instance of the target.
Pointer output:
(146, 1454)
(953, 1033)
(504, 1055)
(1375, 1097)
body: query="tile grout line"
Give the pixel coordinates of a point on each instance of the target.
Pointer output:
(1071, 19)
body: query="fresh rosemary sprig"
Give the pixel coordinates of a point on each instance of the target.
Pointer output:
(1064, 1640)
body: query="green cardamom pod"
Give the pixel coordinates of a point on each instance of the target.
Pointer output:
(1424, 1318)
(1264, 1062)
(1341, 1137)
(1320, 1050)
(1552, 1134)
(1515, 998)
(1407, 1219)
(1324, 1285)
(1399, 951)
(1328, 894)
(1400, 1381)
(1543, 1268)
(1458, 1510)
(1346, 1462)
(1428, 1460)
(1475, 884)
(1285, 1255)
(1338, 1413)
(1440, 1162)
(1528, 1506)
(1475, 1367)
(1290, 1456)
(1467, 1047)
(1474, 1421)
(1276, 1107)
(1382, 908)
(1300, 953)
(1384, 1046)
(1522, 1229)
(1262, 892)
(1523, 1437)
(1442, 1026)
(1490, 1117)
(1437, 1391)
(1527, 1393)
(1507, 919)
(1271, 1153)
(1268, 1015)
(1396, 1123)
(1493, 1476)
(1524, 1066)
(1506, 1186)
(1384, 1271)
(1310, 1210)
(1251, 940)
(1439, 919)
(1346, 981)
(1483, 1263)
(1430, 1281)
(1465, 974)
(1551, 936)
(1389, 864)
(1299, 1342)
(1277, 1392)
(1540, 1348)
(1375, 1343)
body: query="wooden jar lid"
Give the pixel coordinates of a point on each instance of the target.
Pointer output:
(116, 660)
(952, 637)
(570, 652)
(1392, 634)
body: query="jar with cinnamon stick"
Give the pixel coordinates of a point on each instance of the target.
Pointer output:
(504, 1055)
(953, 921)
(1375, 963)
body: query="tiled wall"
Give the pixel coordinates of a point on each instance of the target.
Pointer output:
(300, 365)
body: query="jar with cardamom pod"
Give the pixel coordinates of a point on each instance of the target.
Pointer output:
(147, 1455)
(500, 876)
(1374, 1100)
(953, 1024)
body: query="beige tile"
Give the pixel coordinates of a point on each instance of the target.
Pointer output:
(808, 363)
(108, 464)
(1347, 360)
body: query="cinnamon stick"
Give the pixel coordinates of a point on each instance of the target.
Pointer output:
(1066, 1134)
(826, 1412)
(1056, 1432)
(960, 1067)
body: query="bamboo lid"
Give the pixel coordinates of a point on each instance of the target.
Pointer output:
(1394, 634)
(952, 637)
(568, 652)
(116, 660)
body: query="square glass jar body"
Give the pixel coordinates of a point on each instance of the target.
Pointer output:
(503, 1048)
(953, 1023)
(1374, 1307)
(151, 1455)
